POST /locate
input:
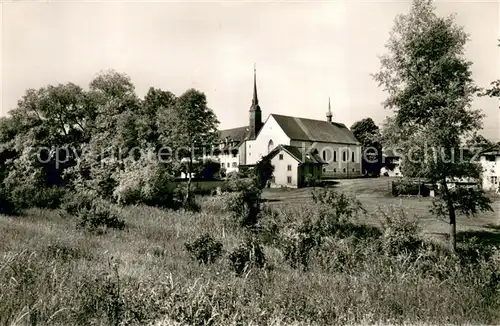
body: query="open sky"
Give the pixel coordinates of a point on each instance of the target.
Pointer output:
(305, 52)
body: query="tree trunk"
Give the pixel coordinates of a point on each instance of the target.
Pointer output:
(453, 231)
(188, 187)
(452, 218)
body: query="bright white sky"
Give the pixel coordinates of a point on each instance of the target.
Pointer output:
(304, 51)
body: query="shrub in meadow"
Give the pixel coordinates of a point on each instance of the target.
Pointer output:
(93, 214)
(246, 256)
(75, 200)
(204, 249)
(400, 233)
(98, 218)
(298, 244)
(336, 207)
(244, 204)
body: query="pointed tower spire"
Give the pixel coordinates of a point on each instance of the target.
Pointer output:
(255, 99)
(255, 122)
(329, 113)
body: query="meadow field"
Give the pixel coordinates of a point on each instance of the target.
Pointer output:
(374, 193)
(363, 271)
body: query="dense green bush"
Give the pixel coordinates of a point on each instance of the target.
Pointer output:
(7, 205)
(205, 249)
(92, 213)
(245, 205)
(148, 182)
(262, 172)
(405, 187)
(74, 201)
(298, 242)
(400, 232)
(98, 218)
(300, 232)
(246, 256)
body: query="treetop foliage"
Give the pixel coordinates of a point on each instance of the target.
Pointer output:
(87, 136)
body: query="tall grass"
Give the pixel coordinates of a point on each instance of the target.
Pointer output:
(53, 273)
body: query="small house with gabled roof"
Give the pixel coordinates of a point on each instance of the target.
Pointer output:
(294, 167)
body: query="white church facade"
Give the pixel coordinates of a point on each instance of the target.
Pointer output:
(330, 146)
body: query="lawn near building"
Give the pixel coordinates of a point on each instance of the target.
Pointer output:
(375, 193)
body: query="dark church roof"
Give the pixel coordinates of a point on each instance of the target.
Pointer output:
(315, 130)
(298, 153)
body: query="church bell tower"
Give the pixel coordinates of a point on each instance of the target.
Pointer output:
(255, 122)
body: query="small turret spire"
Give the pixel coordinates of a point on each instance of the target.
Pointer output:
(329, 113)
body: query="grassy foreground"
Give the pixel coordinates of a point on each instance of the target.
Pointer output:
(52, 273)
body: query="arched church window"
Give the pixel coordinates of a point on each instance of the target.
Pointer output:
(270, 146)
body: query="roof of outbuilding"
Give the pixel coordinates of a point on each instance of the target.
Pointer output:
(493, 150)
(298, 154)
(315, 130)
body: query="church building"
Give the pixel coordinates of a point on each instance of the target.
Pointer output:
(328, 148)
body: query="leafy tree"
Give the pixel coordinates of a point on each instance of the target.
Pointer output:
(209, 169)
(262, 172)
(368, 134)
(430, 88)
(115, 132)
(154, 105)
(494, 90)
(188, 128)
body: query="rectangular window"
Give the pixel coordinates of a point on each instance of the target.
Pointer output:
(335, 156)
(494, 179)
(289, 167)
(228, 165)
(353, 156)
(289, 180)
(235, 165)
(281, 157)
(344, 156)
(234, 154)
(490, 158)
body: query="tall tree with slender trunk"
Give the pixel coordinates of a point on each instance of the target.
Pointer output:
(430, 88)
(188, 128)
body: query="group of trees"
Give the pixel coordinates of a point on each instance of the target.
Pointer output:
(104, 139)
